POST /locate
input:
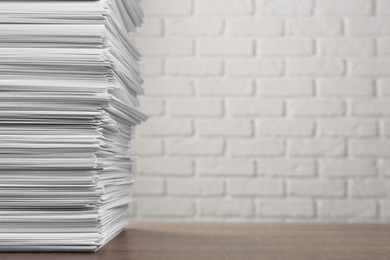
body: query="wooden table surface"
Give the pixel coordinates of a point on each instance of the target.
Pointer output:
(243, 241)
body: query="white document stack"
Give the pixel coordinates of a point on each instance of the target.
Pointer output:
(69, 80)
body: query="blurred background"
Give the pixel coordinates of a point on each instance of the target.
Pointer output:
(265, 110)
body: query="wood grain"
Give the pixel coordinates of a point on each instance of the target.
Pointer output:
(233, 241)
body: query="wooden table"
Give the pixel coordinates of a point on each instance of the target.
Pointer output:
(243, 241)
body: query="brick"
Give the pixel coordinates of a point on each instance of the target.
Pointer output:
(314, 66)
(385, 127)
(315, 107)
(371, 107)
(195, 187)
(286, 167)
(165, 166)
(316, 188)
(255, 187)
(317, 147)
(166, 127)
(383, 45)
(131, 210)
(223, 7)
(370, 148)
(287, 208)
(195, 146)
(149, 186)
(320, 87)
(168, 87)
(165, 46)
(162, 7)
(314, 26)
(164, 207)
(193, 26)
(285, 87)
(369, 66)
(349, 168)
(151, 106)
(151, 27)
(194, 67)
(383, 6)
(351, 209)
(383, 87)
(345, 87)
(284, 127)
(227, 47)
(225, 208)
(225, 167)
(368, 26)
(148, 146)
(254, 67)
(369, 188)
(224, 127)
(346, 46)
(254, 26)
(385, 208)
(250, 147)
(342, 7)
(225, 87)
(347, 127)
(284, 46)
(194, 107)
(255, 106)
(283, 7)
(151, 66)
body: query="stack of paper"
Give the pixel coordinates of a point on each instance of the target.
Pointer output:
(69, 78)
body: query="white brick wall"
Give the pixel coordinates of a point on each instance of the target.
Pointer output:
(265, 110)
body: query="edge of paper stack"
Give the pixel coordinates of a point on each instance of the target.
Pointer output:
(69, 80)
